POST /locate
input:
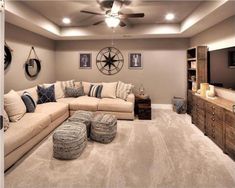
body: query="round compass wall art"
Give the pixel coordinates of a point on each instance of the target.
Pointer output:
(109, 61)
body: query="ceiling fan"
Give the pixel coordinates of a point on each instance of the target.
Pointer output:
(113, 16)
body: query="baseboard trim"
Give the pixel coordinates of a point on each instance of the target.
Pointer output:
(162, 106)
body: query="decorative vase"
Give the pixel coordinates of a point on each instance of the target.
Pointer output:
(204, 87)
(211, 91)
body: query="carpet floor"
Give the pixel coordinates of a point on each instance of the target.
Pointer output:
(166, 152)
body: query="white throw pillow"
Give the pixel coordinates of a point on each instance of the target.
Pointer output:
(6, 122)
(59, 93)
(109, 90)
(123, 90)
(14, 106)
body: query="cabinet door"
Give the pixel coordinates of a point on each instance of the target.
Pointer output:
(189, 102)
(230, 134)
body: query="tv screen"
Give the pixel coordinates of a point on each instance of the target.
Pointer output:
(222, 68)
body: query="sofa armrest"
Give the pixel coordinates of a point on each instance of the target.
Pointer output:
(131, 98)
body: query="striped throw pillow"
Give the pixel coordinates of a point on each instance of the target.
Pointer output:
(29, 102)
(69, 83)
(95, 91)
(123, 90)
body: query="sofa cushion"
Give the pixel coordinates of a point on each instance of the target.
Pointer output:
(67, 100)
(85, 103)
(109, 90)
(115, 105)
(20, 132)
(14, 106)
(54, 109)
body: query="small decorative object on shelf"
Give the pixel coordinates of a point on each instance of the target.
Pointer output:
(204, 87)
(193, 64)
(211, 92)
(194, 84)
(141, 93)
(143, 108)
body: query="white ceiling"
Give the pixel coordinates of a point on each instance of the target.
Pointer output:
(154, 11)
(44, 17)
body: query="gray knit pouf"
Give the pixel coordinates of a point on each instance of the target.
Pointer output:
(84, 117)
(103, 128)
(69, 140)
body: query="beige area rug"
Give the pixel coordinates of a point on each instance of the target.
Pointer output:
(167, 152)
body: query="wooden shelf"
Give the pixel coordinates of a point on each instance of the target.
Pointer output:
(192, 59)
(197, 56)
(192, 69)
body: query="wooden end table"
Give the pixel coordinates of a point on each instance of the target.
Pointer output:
(143, 108)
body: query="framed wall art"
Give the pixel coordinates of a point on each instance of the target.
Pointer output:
(135, 61)
(85, 60)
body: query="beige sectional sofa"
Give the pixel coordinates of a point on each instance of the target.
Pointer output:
(24, 134)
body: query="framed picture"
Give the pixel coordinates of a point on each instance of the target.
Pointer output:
(85, 60)
(231, 59)
(135, 61)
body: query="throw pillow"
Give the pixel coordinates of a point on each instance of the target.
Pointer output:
(29, 102)
(109, 90)
(59, 93)
(32, 91)
(6, 122)
(87, 85)
(46, 95)
(14, 106)
(74, 92)
(123, 90)
(95, 91)
(69, 83)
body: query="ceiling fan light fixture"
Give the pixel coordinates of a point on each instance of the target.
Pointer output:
(66, 20)
(170, 16)
(112, 21)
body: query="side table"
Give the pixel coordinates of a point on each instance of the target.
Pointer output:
(143, 108)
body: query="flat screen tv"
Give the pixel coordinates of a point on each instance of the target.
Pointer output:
(221, 68)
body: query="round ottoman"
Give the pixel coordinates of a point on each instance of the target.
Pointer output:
(103, 128)
(69, 140)
(83, 117)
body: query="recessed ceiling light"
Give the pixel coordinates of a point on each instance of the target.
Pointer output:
(66, 20)
(170, 17)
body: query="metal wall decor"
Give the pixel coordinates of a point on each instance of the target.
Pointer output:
(7, 56)
(32, 65)
(109, 61)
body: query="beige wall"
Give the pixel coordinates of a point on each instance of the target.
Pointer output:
(219, 36)
(20, 41)
(164, 61)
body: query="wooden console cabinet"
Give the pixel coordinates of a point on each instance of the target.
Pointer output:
(215, 119)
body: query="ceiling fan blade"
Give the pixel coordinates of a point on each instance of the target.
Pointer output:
(122, 24)
(99, 22)
(134, 15)
(94, 13)
(116, 7)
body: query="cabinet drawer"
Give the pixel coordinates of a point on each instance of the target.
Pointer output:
(200, 103)
(230, 119)
(230, 141)
(214, 110)
(213, 118)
